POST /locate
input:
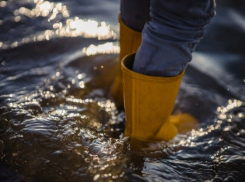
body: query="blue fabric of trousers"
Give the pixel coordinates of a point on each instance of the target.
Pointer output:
(171, 29)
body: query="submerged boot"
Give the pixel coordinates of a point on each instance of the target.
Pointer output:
(129, 43)
(149, 102)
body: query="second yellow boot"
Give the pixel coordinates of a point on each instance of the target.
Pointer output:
(130, 41)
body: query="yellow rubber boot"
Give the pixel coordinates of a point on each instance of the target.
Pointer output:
(149, 102)
(130, 41)
(184, 122)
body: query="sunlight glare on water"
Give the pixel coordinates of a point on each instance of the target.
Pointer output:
(107, 48)
(51, 12)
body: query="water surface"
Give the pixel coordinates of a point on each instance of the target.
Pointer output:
(58, 122)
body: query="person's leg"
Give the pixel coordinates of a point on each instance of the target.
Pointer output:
(152, 77)
(133, 16)
(135, 13)
(171, 35)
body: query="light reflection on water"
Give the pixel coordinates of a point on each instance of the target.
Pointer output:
(58, 122)
(107, 48)
(61, 26)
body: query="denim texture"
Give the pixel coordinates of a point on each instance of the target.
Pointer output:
(171, 29)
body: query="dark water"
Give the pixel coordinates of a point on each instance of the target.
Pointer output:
(58, 123)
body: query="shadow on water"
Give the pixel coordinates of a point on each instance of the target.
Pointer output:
(58, 122)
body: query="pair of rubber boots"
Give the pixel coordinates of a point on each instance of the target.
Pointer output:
(148, 100)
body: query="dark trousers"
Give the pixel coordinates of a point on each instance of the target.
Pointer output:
(171, 29)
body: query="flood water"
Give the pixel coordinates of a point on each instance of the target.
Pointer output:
(58, 122)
